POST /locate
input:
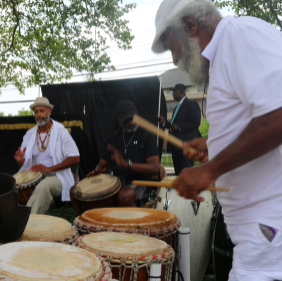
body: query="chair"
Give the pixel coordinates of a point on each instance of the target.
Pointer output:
(153, 191)
(58, 203)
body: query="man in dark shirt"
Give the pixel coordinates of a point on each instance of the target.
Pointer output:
(186, 119)
(132, 154)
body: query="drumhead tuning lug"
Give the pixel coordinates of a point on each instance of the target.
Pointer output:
(195, 206)
(166, 204)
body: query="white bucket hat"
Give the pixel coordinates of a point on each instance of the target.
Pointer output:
(40, 101)
(166, 12)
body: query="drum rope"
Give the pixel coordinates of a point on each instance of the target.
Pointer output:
(135, 263)
(85, 228)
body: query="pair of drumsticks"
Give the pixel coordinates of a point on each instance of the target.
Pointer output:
(173, 140)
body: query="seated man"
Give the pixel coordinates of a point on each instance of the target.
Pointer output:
(48, 148)
(132, 154)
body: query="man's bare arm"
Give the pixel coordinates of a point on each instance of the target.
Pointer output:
(67, 163)
(151, 167)
(263, 134)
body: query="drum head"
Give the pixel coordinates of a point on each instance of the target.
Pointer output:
(97, 187)
(48, 261)
(48, 229)
(26, 176)
(129, 218)
(123, 244)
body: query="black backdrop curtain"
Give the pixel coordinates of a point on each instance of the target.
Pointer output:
(93, 104)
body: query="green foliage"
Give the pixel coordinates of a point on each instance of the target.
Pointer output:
(268, 10)
(204, 128)
(1, 114)
(24, 112)
(42, 41)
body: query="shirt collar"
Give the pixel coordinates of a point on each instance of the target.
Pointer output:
(210, 50)
(182, 100)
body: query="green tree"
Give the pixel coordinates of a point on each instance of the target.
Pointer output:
(42, 41)
(2, 114)
(268, 10)
(204, 128)
(25, 112)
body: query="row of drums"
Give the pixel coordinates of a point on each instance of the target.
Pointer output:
(100, 246)
(119, 243)
(99, 191)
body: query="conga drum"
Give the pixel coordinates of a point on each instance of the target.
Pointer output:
(43, 228)
(129, 255)
(197, 217)
(30, 261)
(97, 192)
(155, 223)
(26, 181)
(222, 248)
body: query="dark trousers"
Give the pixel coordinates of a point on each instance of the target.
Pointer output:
(180, 161)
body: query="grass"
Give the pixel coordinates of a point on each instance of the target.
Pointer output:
(69, 215)
(167, 161)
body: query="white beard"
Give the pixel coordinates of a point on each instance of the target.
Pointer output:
(192, 62)
(43, 122)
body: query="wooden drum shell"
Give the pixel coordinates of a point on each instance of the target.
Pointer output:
(25, 190)
(124, 266)
(91, 193)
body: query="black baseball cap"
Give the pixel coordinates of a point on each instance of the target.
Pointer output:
(179, 87)
(125, 110)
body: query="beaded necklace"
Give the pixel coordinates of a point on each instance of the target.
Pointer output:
(43, 147)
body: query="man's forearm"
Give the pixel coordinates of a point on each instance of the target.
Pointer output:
(67, 163)
(262, 135)
(147, 168)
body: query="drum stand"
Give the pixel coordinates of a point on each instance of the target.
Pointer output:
(13, 217)
(173, 241)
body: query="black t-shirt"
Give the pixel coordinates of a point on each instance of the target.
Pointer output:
(136, 146)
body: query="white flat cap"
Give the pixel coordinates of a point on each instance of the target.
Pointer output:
(165, 14)
(40, 101)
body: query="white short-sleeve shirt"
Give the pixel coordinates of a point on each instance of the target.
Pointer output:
(245, 57)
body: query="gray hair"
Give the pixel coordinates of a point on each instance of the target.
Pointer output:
(205, 13)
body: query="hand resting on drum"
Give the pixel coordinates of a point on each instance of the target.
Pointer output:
(98, 170)
(67, 163)
(200, 152)
(19, 156)
(41, 168)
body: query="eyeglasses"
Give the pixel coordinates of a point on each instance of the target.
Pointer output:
(204, 100)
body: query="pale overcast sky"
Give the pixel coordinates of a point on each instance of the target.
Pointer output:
(137, 62)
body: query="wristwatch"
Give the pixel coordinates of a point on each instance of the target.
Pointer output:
(129, 163)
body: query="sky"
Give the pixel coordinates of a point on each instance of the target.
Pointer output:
(140, 61)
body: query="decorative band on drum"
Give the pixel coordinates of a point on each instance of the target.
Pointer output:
(31, 183)
(158, 233)
(107, 269)
(128, 262)
(68, 240)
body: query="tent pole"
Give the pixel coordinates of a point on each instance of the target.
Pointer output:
(159, 110)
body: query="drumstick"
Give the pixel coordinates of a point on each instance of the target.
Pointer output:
(157, 131)
(169, 185)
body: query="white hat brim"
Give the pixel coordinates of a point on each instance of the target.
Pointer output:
(32, 106)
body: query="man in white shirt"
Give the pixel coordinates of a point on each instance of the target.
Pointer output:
(243, 59)
(185, 122)
(48, 148)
